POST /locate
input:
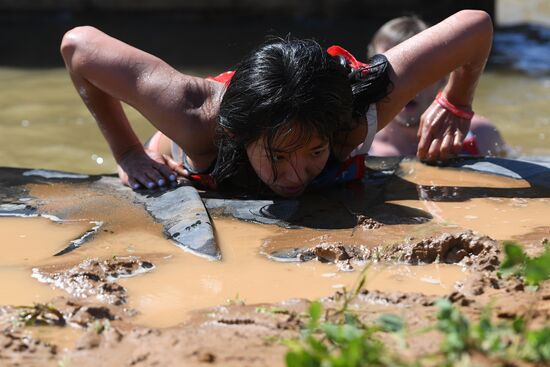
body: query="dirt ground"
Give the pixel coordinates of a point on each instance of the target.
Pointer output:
(246, 335)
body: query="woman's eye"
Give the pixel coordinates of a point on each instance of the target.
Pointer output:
(278, 157)
(318, 152)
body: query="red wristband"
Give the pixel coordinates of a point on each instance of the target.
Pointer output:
(457, 111)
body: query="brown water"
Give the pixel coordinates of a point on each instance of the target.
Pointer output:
(498, 217)
(523, 11)
(44, 124)
(182, 282)
(27, 243)
(43, 121)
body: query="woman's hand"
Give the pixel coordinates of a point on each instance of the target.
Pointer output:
(441, 133)
(148, 169)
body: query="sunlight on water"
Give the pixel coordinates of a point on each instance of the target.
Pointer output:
(511, 12)
(44, 124)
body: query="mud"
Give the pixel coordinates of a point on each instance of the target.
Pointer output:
(95, 278)
(109, 336)
(464, 248)
(127, 295)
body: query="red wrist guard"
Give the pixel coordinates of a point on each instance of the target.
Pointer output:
(457, 111)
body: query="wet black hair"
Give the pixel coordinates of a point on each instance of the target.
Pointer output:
(292, 84)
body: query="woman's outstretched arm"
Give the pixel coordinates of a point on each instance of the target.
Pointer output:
(106, 72)
(459, 46)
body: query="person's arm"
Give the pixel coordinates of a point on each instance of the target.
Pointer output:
(106, 71)
(459, 45)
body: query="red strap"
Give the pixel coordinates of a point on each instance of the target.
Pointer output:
(224, 78)
(352, 61)
(455, 110)
(206, 181)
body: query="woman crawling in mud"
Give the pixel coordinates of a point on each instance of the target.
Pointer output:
(292, 115)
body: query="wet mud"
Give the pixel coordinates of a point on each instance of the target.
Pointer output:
(127, 295)
(465, 248)
(95, 278)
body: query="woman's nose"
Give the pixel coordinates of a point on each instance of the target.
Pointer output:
(297, 172)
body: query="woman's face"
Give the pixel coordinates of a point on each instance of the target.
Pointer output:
(294, 168)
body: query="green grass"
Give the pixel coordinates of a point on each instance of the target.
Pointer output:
(517, 263)
(338, 338)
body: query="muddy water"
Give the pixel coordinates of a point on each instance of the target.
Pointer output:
(438, 279)
(498, 217)
(25, 243)
(182, 282)
(523, 11)
(64, 338)
(42, 120)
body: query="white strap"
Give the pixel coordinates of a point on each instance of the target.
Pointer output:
(372, 125)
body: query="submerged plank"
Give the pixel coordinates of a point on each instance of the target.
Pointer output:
(179, 210)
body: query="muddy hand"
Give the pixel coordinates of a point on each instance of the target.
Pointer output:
(441, 134)
(146, 169)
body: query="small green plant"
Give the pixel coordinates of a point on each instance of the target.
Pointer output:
(236, 301)
(99, 326)
(39, 314)
(348, 343)
(505, 341)
(337, 337)
(347, 297)
(517, 263)
(65, 362)
(537, 345)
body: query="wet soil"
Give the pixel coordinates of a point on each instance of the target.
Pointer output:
(254, 332)
(95, 278)
(127, 297)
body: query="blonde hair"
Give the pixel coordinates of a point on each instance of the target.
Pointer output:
(394, 32)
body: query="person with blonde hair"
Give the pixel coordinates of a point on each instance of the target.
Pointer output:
(401, 136)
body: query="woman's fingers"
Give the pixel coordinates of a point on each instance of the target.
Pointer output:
(424, 144)
(167, 174)
(145, 178)
(155, 178)
(441, 134)
(175, 166)
(134, 184)
(160, 172)
(139, 181)
(433, 152)
(430, 129)
(150, 170)
(458, 142)
(446, 147)
(129, 180)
